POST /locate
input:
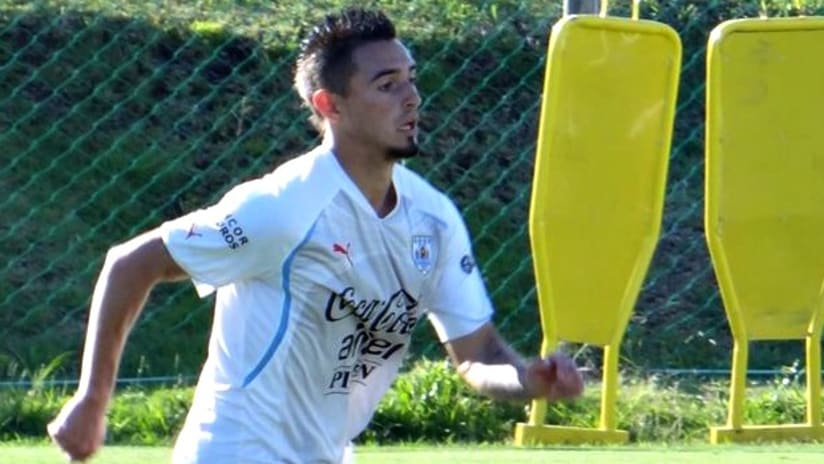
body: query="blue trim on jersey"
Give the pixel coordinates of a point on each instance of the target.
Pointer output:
(284, 314)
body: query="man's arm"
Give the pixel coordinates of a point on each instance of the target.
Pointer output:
(491, 366)
(129, 273)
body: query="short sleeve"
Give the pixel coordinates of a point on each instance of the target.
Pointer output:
(235, 239)
(460, 303)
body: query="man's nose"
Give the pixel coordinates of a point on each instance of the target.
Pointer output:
(413, 98)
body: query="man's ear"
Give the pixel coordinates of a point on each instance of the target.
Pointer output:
(325, 103)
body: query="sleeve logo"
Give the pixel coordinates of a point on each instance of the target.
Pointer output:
(232, 233)
(467, 264)
(192, 232)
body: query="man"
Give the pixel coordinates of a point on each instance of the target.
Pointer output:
(321, 271)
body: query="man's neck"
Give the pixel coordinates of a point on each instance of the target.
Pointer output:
(371, 173)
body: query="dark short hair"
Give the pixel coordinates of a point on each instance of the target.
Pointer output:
(325, 57)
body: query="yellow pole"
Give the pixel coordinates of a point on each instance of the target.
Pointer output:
(610, 388)
(537, 414)
(814, 364)
(814, 379)
(738, 384)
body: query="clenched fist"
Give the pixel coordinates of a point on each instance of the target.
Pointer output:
(79, 428)
(554, 378)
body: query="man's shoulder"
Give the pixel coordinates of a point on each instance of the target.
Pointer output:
(301, 184)
(424, 196)
(302, 169)
(302, 178)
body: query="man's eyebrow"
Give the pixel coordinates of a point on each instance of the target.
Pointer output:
(386, 72)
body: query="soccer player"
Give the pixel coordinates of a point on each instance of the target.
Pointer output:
(321, 269)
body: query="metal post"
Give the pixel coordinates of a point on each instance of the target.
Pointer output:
(738, 383)
(582, 7)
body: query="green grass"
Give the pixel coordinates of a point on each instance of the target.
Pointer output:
(430, 403)
(641, 454)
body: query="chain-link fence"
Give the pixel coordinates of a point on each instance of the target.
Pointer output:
(115, 116)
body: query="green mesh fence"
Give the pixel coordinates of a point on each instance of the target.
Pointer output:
(116, 116)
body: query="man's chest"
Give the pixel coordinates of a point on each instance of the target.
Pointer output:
(356, 273)
(364, 261)
(362, 286)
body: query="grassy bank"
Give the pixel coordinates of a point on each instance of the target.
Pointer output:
(430, 403)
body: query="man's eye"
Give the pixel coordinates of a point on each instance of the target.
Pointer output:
(386, 86)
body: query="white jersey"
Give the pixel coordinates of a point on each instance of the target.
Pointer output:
(316, 299)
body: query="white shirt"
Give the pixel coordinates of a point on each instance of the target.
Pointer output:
(316, 298)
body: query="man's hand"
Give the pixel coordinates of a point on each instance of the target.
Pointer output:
(493, 368)
(79, 428)
(554, 378)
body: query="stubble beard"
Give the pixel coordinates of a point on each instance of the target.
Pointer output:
(400, 153)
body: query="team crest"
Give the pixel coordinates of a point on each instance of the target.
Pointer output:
(424, 252)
